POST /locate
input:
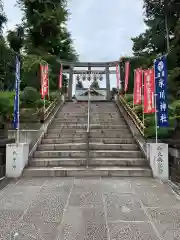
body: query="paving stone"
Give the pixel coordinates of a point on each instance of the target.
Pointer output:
(36, 182)
(157, 198)
(19, 198)
(56, 187)
(83, 224)
(116, 186)
(49, 208)
(8, 220)
(167, 221)
(82, 208)
(86, 196)
(132, 231)
(124, 207)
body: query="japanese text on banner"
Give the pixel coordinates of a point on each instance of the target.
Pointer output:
(127, 69)
(16, 98)
(138, 86)
(149, 89)
(160, 67)
(44, 80)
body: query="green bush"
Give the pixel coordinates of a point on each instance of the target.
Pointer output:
(149, 120)
(128, 98)
(6, 104)
(39, 103)
(29, 96)
(163, 133)
(53, 96)
(176, 106)
(139, 110)
(130, 104)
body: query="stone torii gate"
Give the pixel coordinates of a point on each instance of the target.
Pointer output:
(89, 66)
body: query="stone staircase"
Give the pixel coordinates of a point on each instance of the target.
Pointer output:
(107, 150)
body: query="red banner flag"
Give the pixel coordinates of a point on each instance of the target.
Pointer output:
(44, 80)
(138, 82)
(149, 88)
(127, 68)
(117, 76)
(60, 77)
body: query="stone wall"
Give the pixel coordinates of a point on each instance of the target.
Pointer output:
(26, 136)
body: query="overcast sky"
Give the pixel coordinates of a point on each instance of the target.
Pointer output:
(101, 29)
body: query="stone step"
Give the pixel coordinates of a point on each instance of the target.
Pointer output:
(83, 146)
(57, 162)
(66, 146)
(60, 154)
(83, 154)
(112, 140)
(103, 122)
(87, 172)
(105, 131)
(73, 114)
(118, 134)
(58, 117)
(115, 154)
(111, 114)
(69, 125)
(67, 130)
(65, 135)
(102, 146)
(109, 131)
(64, 140)
(84, 126)
(70, 121)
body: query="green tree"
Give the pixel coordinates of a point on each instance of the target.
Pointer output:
(16, 38)
(46, 36)
(153, 42)
(6, 57)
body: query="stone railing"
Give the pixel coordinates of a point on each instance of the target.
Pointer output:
(38, 136)
(133, 116)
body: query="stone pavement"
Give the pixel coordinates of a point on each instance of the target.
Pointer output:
(89, 209)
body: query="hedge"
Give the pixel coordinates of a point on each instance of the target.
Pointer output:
(149, 119)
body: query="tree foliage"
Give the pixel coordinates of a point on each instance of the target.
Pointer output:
(41, 38)
(153, 42)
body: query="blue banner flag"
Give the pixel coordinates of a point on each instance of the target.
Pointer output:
(16, 98)
(160, 69)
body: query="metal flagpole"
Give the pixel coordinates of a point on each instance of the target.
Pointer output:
(44, 104)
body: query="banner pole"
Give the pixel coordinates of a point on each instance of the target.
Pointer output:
(44, 104)
(155, 114)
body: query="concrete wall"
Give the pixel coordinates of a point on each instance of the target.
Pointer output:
(26, 136)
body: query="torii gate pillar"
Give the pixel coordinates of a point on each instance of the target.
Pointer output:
(70, 84)
(108, 84)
